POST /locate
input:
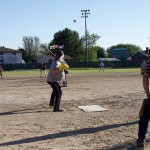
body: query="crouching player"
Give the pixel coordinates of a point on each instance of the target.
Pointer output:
(55, 75)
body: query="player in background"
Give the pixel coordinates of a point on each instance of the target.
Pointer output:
(54, 77)
(101, 66)
(42, 69)
(1, 72)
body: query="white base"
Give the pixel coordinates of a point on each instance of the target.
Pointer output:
(91, 108)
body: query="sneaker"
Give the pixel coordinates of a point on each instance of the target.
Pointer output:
(139, 145)
(59, 110)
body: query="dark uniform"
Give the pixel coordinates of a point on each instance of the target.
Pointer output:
(43, 69)
(1, 70)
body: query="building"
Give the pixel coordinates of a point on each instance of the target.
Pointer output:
(10, 56)
(139, 56)
(48, 58)
(120, 53)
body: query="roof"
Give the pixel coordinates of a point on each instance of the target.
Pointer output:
(142, 53)
(8, 50)
(67, 57)
(108, 59)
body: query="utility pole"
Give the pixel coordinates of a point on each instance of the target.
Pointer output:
(85, 14)
(148, 48)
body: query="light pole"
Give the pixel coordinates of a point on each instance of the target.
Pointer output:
(148, 47)
(85, 14)
(149, 39)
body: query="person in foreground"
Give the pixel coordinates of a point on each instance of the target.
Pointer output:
(144, 113)
(55, 75)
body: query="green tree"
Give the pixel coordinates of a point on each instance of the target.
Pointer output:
(31, 48)
(131, 47)
(96, 52)
(101, 52)
(72, 43)
(91, 39)
(24, 54)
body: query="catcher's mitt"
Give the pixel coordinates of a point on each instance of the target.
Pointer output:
(142, 71)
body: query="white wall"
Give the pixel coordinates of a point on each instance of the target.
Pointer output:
(10, 58)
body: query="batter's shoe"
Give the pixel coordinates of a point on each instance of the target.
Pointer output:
(60, 110)
(139, 145)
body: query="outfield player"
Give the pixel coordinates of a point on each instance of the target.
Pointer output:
(1, 72)
(55, 75)
(144, 113)
(43, 69)
(101, 66)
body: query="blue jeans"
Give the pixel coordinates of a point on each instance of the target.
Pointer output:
(144, 121)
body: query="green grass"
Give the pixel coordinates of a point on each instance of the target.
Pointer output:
(73, 71)
(93, 70)
(22, 72)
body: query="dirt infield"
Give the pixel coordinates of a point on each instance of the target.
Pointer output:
(27, 122)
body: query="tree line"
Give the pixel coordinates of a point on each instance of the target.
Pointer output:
(74, 46)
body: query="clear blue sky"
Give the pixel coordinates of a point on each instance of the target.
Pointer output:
(116, 21)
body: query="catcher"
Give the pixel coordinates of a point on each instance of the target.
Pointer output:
(144, 113)
(55, 75)
(1, 70)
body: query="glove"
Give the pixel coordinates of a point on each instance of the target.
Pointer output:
(142, 71)
(63, 66)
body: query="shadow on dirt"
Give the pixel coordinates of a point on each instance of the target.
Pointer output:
(23, 111)
(68, 134)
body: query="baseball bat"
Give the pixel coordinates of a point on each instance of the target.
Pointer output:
(48, 50)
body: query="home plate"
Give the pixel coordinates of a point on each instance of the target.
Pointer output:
(91, 108)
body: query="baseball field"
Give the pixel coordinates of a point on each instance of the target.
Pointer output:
(27, 122)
